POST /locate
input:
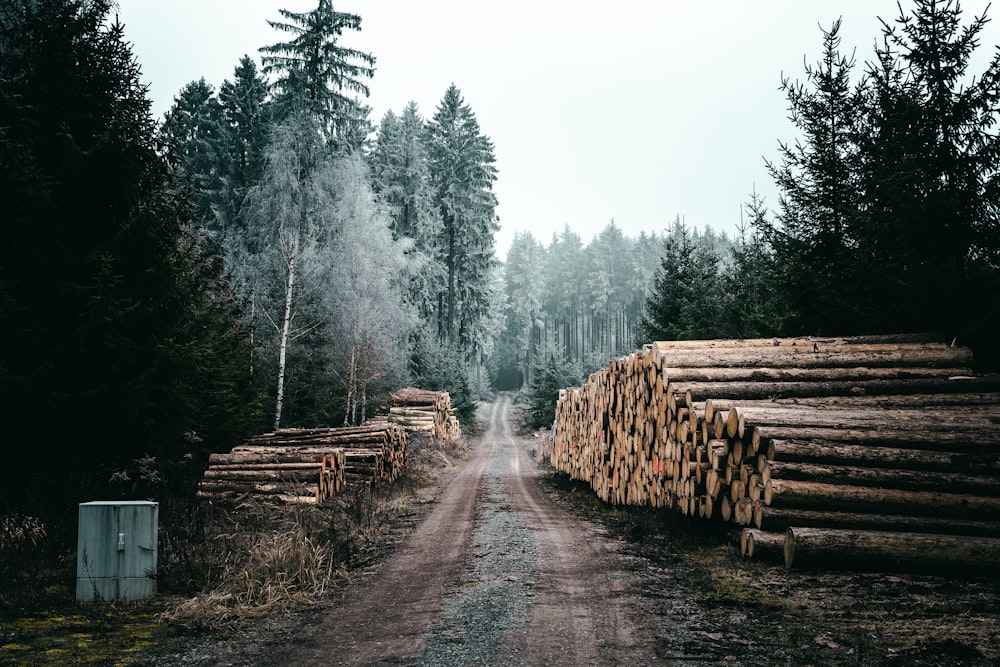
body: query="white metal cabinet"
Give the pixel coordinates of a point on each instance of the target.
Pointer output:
(116, 551)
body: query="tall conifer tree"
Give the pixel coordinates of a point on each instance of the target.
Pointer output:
(317, 74)
(462, 173)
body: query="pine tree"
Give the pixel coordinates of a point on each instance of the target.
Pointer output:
(247, 115)
(551, 372)
(462, 173)
(108, 312)
(929, 175)
(523, 290)
(316, 74)
(198, 142)
(751, 308)
(401, 177)
(819, 196)
(685, 299)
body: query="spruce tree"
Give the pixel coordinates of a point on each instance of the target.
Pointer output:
(401, 178)
(246, 113)
(317, 74)
(685, 302)
(198, 142)
(108, 311)
(815, 227)
(462, 173)
(929, 175)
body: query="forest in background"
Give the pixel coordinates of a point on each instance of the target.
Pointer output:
(886, 219)
(267, 254)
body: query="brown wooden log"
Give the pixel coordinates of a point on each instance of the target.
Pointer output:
(281, 456)
(258, 488)
(762, 545)
(227, 497)
(792, 494)
(832, 452)
(877, 392)
(776, 519)
(890, 478)
(683, 374)
(981, 439)
(859, 548)
(803, 343)
(923, 419)
(255, 465)
(301, 476)
(874, 357)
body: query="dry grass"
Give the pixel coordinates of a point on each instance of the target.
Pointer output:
(261, 558)
(284, 565)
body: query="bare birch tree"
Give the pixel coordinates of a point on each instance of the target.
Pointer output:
(283, 236)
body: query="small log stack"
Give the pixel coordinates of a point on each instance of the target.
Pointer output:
(306, 465)
(427, 412)
(872, 434)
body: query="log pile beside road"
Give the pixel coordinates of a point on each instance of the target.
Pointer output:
(306, 465)
(871, 435)
(426, 412)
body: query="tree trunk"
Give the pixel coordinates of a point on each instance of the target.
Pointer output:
(791, 494)
(762, 545)
(914, 480)
(286, 324)
(864, 548)
(876, 391)
(806, 373)
(451, 283)
(778, 519)
(819, 451)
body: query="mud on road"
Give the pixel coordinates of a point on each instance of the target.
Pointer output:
(517, 566)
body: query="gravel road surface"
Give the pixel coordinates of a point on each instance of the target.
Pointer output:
(497, 574)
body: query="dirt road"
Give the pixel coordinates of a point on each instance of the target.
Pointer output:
(514, 567)
(497, 574)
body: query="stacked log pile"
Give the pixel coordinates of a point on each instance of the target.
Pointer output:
(427, 412)
(857, 434)
(306, 465)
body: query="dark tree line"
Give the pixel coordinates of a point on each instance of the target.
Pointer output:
(887, 214)
(887, 220)
(254, 259)
(121, 341)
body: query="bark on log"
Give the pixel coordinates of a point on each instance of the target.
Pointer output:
(887, 357)
(889, 478)
(684, 374)
(859, 548)
(775, 519)
(835, 497)
(818, 451)
(763, 545)
(980, 440)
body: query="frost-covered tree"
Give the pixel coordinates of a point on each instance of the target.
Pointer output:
(401, 178)
(364, 287)
(281, 246)
(524, 291)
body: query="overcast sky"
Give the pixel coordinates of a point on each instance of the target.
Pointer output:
(632, 111)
